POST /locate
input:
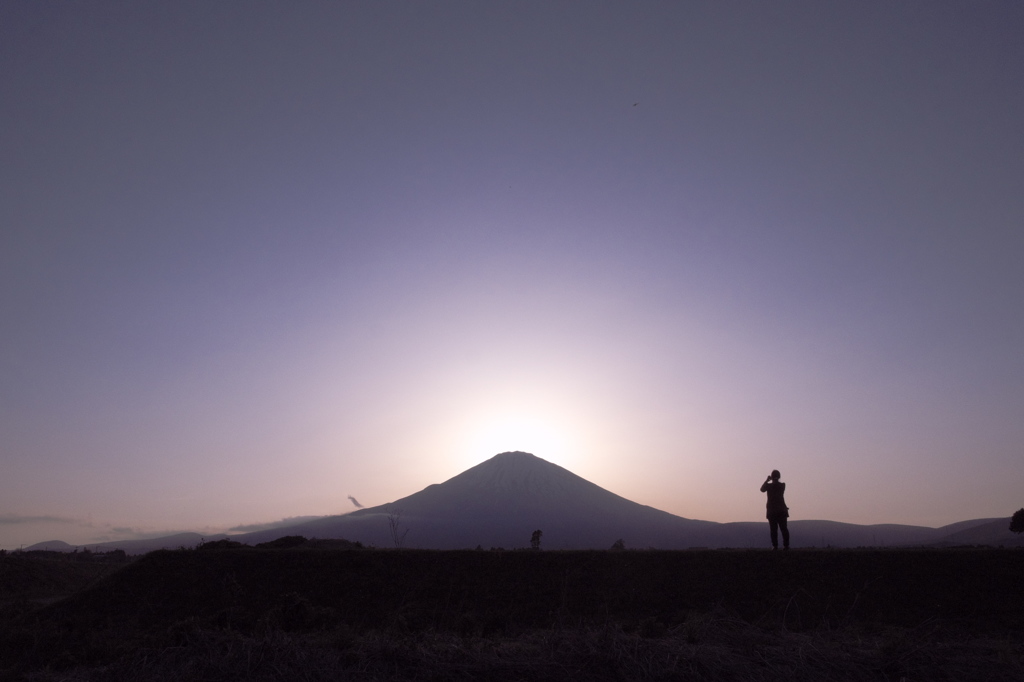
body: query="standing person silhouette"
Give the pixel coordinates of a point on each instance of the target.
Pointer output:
(778, 512)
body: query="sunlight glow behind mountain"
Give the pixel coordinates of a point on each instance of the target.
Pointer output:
(522, 432)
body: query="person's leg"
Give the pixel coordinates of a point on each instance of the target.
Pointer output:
(785, 533)
(773, 526)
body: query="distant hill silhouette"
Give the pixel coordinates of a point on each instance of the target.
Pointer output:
(134, 546)
(500, 502)
(986, 532)
(51, 546)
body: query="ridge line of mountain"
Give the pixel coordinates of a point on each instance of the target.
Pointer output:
(501, 501)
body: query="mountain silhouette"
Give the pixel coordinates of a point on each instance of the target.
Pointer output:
(500, 502)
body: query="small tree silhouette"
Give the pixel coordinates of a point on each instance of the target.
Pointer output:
(618, 545)
(395, 525)
(535, 539)
(1017, 521)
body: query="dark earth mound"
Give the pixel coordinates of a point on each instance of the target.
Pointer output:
(170, 601)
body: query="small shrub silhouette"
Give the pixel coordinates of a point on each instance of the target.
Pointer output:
(395, 527)
(1017, 521)
(535, 539)
(286, 542)
(220, 544)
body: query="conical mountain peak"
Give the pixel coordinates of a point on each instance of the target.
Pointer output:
(515, 454)
(508, 482)
(520, 471)
(500, 502)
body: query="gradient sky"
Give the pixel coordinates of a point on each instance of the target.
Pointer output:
(257, 257)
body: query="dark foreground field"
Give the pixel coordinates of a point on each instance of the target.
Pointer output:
(308, 614)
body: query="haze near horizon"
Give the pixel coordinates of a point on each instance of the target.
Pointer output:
(257, 258)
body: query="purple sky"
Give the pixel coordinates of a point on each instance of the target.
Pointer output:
(257, 257)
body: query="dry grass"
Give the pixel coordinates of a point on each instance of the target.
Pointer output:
(309, 615)
(705, 647)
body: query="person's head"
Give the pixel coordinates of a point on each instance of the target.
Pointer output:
(775, 474)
